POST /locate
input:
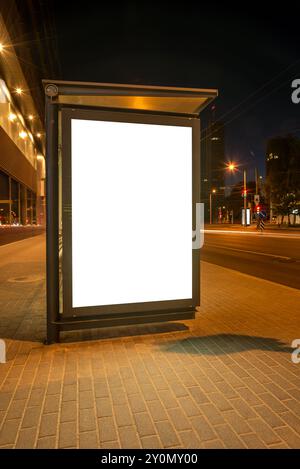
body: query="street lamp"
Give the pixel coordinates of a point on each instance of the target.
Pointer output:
(210, 205)
(231, 167)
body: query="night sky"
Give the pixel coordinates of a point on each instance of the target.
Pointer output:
(249, 54)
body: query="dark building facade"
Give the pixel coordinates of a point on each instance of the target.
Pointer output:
(213, 168)
(22, 66)
(283, 175)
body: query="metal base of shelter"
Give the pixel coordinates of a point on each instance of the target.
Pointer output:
(54, 328)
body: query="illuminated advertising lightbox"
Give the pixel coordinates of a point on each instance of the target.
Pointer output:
(131, 194)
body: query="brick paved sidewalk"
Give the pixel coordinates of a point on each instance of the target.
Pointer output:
(223, 380)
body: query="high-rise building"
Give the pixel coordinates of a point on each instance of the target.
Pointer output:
(212, 165)
(22, 66)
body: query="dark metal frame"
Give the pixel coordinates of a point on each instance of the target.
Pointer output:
(125, 314)
(102, 311)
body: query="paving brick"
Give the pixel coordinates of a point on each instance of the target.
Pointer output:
(199, 396)
(48, 426)
(213, 444)
(16, 409)
(237, 422)
(269, 416)
(228, 437)
(69, 392)
(87, 420)
(67, 435)
(220, 401)
(144, 424)
(129, 437)
(8, 432)
(104, 407)
(54, 387)
(68, 411)
(26, 438)
(5, 398)
(203, 429)
(123, 415)
(167, 434)
(179, 419)
(252, 441)
(190, 439)
(48, 442)
(110, 445)
(137, 403)
(36, 397)
(51, 404)
(107, 430)
(243, 408)
(88, 440)
(157, 411)
(289, 436)
(213, 415)
(189, 406)
(273, 403)
(292, 420)
(264, 432)
(31, 417)
(151, 442)
(149, 392)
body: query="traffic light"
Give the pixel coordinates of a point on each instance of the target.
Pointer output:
(257, 208)
(244, 193)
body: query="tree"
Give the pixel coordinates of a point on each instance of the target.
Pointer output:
(283, 175)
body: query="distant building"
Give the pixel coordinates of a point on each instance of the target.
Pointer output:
(283, 173)
(212, 165)
(22, 155)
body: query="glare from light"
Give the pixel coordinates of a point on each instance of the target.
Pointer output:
(1, 47)
(30, 117)
(231, 166)
(214, 191)
(19, 91)
(23, 135)
(38, 135)
(12, 117)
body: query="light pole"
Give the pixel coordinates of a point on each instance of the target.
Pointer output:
(210, 205)
(231, 167)
(245, 198)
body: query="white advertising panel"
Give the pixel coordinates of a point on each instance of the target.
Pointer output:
(131, 212)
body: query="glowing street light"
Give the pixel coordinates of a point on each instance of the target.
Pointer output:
(19, 91)
(2, 47)
(213, 191)
(231, 166)
(12, 117)
(38, 135)
(30, 117)
(23, 135)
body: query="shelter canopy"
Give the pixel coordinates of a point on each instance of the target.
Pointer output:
(170, 100)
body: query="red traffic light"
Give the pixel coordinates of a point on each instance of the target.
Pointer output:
(257, 208)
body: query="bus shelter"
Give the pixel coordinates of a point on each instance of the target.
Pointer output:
(123, 183)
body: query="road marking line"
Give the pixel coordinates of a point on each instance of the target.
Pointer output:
(249, 252)
(265, 234)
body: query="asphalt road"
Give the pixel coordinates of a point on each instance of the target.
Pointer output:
(271, 256)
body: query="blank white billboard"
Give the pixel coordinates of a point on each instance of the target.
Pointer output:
(131, 213)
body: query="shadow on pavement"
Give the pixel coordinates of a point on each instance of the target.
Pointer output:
(222, 344)
(122, 331)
